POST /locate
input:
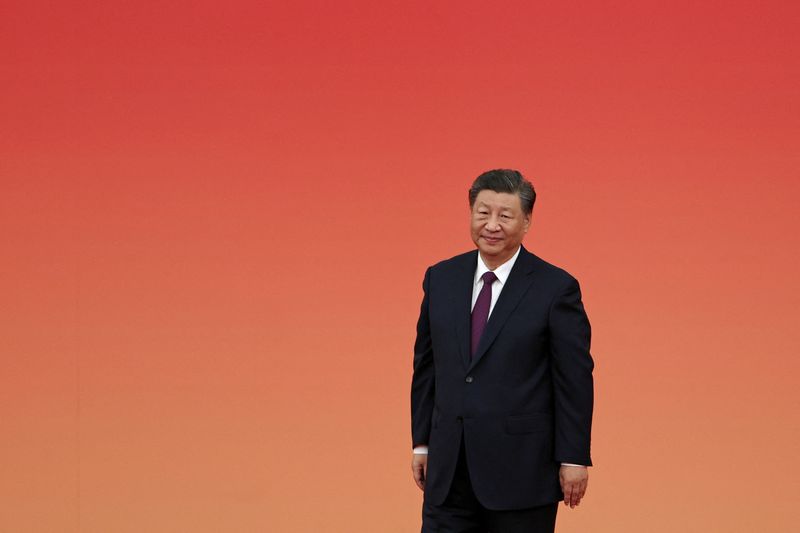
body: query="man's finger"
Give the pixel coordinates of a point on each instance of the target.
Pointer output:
(575, 498)
(418, 481)
(579, 492)
(419, 476)
(567, 493)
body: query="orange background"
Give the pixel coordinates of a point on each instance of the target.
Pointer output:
(216, 217)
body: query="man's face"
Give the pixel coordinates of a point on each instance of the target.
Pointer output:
(498, 226)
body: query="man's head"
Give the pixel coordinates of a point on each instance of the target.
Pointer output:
(501, 202)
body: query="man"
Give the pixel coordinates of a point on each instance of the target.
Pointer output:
(502, 390)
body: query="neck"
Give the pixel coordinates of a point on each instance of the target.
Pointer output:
(496, 261)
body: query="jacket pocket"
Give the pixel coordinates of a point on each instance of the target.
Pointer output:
(532, 423)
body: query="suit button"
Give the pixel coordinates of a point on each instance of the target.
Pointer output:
(469, 379)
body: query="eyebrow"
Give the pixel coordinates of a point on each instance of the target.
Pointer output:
(502, 207)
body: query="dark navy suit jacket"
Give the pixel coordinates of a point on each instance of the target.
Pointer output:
(523, 402)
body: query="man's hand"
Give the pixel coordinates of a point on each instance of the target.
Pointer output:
(574, 480)
(419, 467)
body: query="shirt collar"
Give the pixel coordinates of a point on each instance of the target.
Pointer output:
(501, 272)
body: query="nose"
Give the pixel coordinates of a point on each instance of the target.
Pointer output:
(493, 224)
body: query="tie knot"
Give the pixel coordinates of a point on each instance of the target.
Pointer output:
(488, 278)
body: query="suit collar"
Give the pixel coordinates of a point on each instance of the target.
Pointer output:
(502, 272)
(516, 286)
(463, 279)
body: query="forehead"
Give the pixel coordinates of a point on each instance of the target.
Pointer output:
(498, 200)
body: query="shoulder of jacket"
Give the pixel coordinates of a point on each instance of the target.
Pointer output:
(457, 261)
(557, 274)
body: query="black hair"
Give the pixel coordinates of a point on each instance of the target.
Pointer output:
(505, 180)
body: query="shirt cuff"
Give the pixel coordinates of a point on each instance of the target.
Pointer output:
(570, 464)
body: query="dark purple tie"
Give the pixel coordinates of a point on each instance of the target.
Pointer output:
(480, 313)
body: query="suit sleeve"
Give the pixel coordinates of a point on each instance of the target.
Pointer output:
(422, 381)
(573, 386)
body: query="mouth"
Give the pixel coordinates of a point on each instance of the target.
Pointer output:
(492, 240)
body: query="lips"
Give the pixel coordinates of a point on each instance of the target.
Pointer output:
(492, 240)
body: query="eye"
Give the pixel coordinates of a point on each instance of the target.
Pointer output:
(505, 217)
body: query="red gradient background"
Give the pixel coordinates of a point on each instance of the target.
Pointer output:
(215, 218)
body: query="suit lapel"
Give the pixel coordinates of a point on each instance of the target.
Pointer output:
(463, 280)
(519, 279)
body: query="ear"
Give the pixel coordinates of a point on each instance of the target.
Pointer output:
(527, 222)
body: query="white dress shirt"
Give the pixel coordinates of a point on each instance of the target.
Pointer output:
(502, 272)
